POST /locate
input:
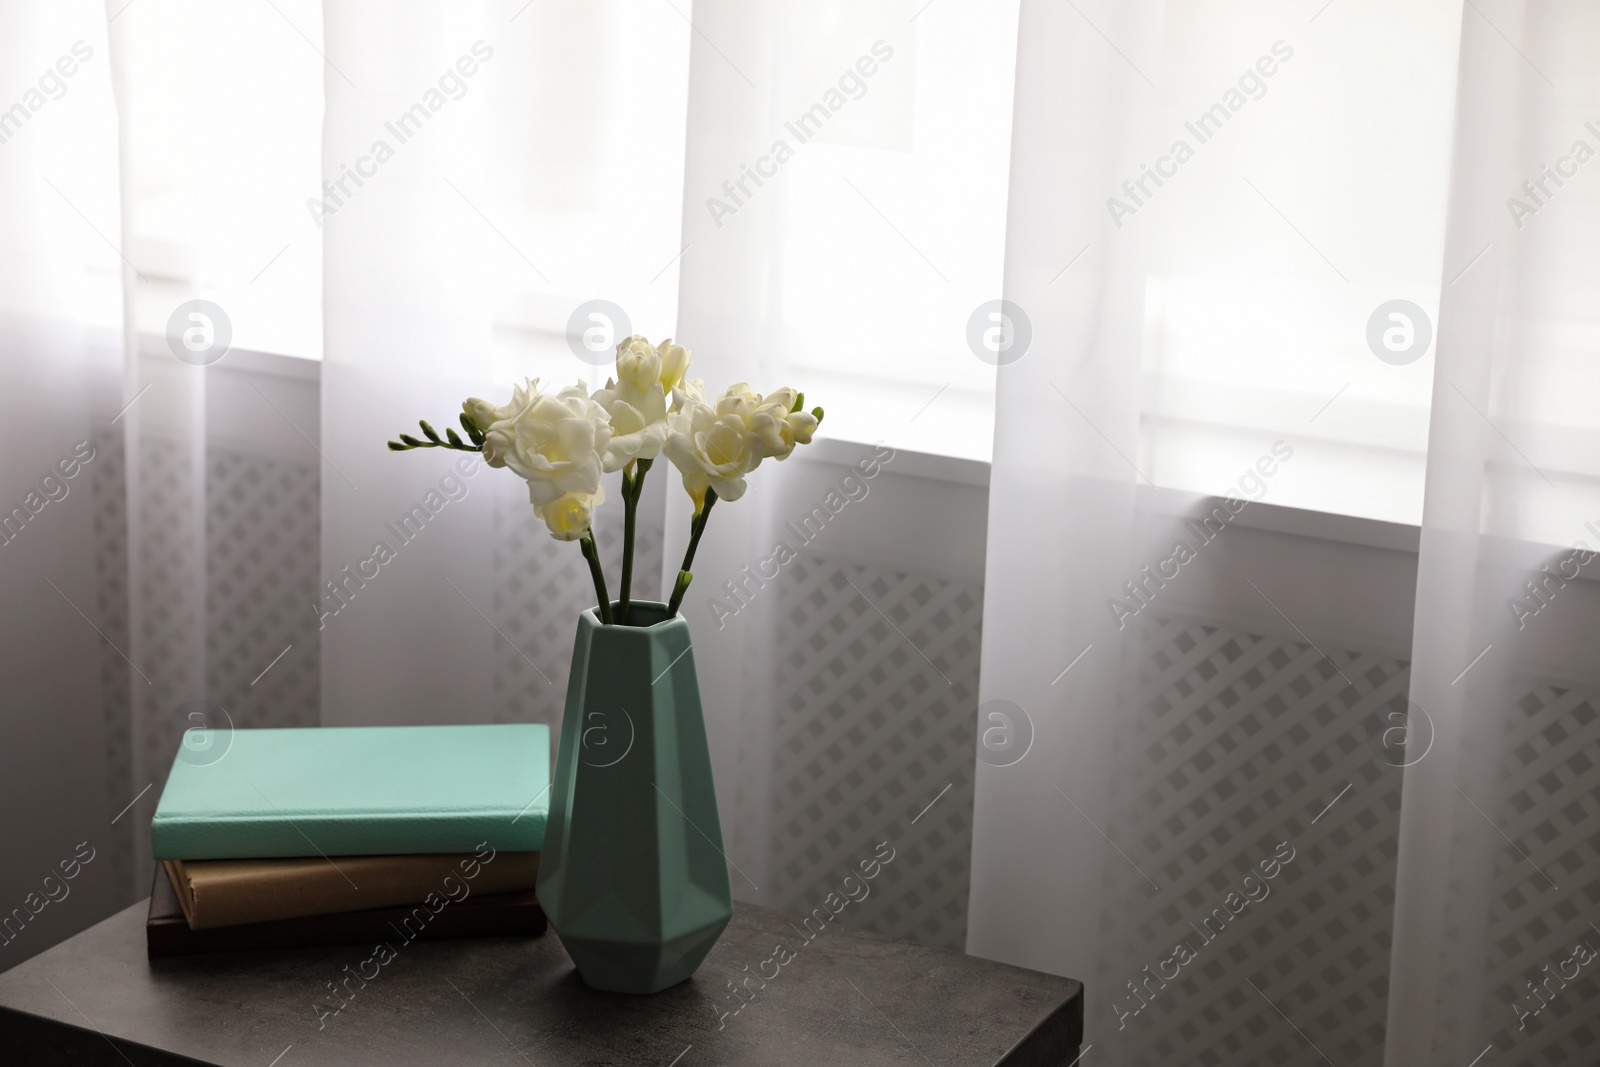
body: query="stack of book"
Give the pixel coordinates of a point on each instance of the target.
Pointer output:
(348, 835)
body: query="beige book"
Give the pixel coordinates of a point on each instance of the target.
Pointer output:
(230, 892)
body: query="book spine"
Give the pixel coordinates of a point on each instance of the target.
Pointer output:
(344, 834)
(265, 891)
(509, 915)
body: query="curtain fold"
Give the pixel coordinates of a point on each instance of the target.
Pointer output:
(1497, 867)
(406, 336)
(725, 291)
(206, 584)
(1062, 500)
(482, 181)
(64, 637)
(1291, 797)
(836, 606)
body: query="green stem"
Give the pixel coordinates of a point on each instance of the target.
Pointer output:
(632, 486)
(696, 528)
(592, 554)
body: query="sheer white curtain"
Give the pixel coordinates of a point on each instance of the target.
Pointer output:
(213, 143)
(1062, 495)
(402, 646)
(825, 150)
(1223, 722)
(63, 687)
(1498, 871)
(125, 613)
(565, 173)
(488, 168)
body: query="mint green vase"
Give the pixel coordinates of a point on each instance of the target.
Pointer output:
(633, 876)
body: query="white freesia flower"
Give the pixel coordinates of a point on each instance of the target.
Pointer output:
(568, 516)
(778, 428)
(636, 402)
(714, 445)
(711, 451)
(638, 362)
(674, 364)
(739, 400)
(554, 443)
(562, 443)
(686, 391)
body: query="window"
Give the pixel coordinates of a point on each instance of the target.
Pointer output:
(1320, 198)
(222, 124)
(1306, 200)
(893, 214)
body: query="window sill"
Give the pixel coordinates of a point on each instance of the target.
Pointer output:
(244, 360)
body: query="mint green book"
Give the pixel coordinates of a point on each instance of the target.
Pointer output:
(354, 791)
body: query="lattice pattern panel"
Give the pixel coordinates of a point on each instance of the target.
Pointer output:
(871, 722)
(108, 486)
(540, 586)
(1241, 742)
(1548, 806)
(263, 553)
(167, 571)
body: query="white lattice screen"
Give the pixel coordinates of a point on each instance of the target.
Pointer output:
(866, 733)
(262, 553)
(108, 484)
(1240, 741)
(1546, 801)
(166, 563)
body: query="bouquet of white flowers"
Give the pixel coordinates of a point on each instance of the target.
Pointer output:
(560, 443)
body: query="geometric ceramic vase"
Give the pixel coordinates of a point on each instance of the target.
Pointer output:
(632, 875)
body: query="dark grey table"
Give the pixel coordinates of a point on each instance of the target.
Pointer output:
(844, 1000)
